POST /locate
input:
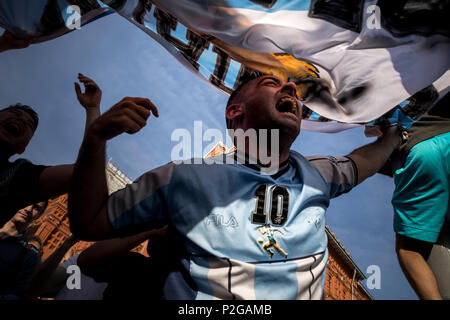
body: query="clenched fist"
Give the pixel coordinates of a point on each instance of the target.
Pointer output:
(128, 115)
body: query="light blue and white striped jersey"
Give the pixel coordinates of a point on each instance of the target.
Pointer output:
(241, 234)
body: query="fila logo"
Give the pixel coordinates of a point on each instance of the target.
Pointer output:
(219, 221)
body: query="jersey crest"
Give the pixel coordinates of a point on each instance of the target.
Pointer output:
(269, 233)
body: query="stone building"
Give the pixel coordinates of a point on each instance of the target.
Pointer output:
(343, 277)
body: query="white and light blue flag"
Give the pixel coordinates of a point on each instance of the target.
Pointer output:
(352, 60)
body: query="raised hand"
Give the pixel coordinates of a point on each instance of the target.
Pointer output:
(92, 95)
(128, 115)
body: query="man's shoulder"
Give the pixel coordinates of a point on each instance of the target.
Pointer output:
(310, 166)
(10, 169)
(340, 172)
(309, 161)
(311, 158)
(298, 157)
(8, 165)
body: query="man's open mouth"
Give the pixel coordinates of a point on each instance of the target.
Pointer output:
(12, 128)
(287, 104)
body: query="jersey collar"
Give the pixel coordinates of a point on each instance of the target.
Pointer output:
(255, 164)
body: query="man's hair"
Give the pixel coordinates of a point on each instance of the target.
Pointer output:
(249, 77)
(26, 109)
(42, 207)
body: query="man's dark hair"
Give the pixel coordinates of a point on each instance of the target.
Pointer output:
(249, 77)
(42, 207)
(26, 109)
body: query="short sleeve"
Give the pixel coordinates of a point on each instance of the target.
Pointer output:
(340, 173)
(142, 205)
(26, 180)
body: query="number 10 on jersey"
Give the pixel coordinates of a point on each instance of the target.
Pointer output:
(278, 195)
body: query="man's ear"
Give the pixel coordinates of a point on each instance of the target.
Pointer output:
(234, 111)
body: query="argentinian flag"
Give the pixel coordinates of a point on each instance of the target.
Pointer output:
(352, 60)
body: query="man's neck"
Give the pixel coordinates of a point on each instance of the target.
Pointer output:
(274, 169)
(267, 148)
(264, 157)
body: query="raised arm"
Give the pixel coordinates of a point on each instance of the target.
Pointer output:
(371, 157)
(88, 191)
(90, 99)
(55, 180)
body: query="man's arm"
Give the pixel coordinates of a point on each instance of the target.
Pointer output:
(371, 157)
(55, 180)
(94, 259)
(412, 255)
(44, 278)
(88, 190)
(90, 99)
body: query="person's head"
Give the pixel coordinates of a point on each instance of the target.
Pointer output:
(17, 126)
(25, 216)
(265, 102)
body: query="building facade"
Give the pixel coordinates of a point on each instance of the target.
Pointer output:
(343, 277)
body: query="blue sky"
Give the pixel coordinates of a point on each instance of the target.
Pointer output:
(124, 61)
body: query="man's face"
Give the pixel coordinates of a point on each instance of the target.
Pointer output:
(26, 215)
(16, 131)
(271, 103)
